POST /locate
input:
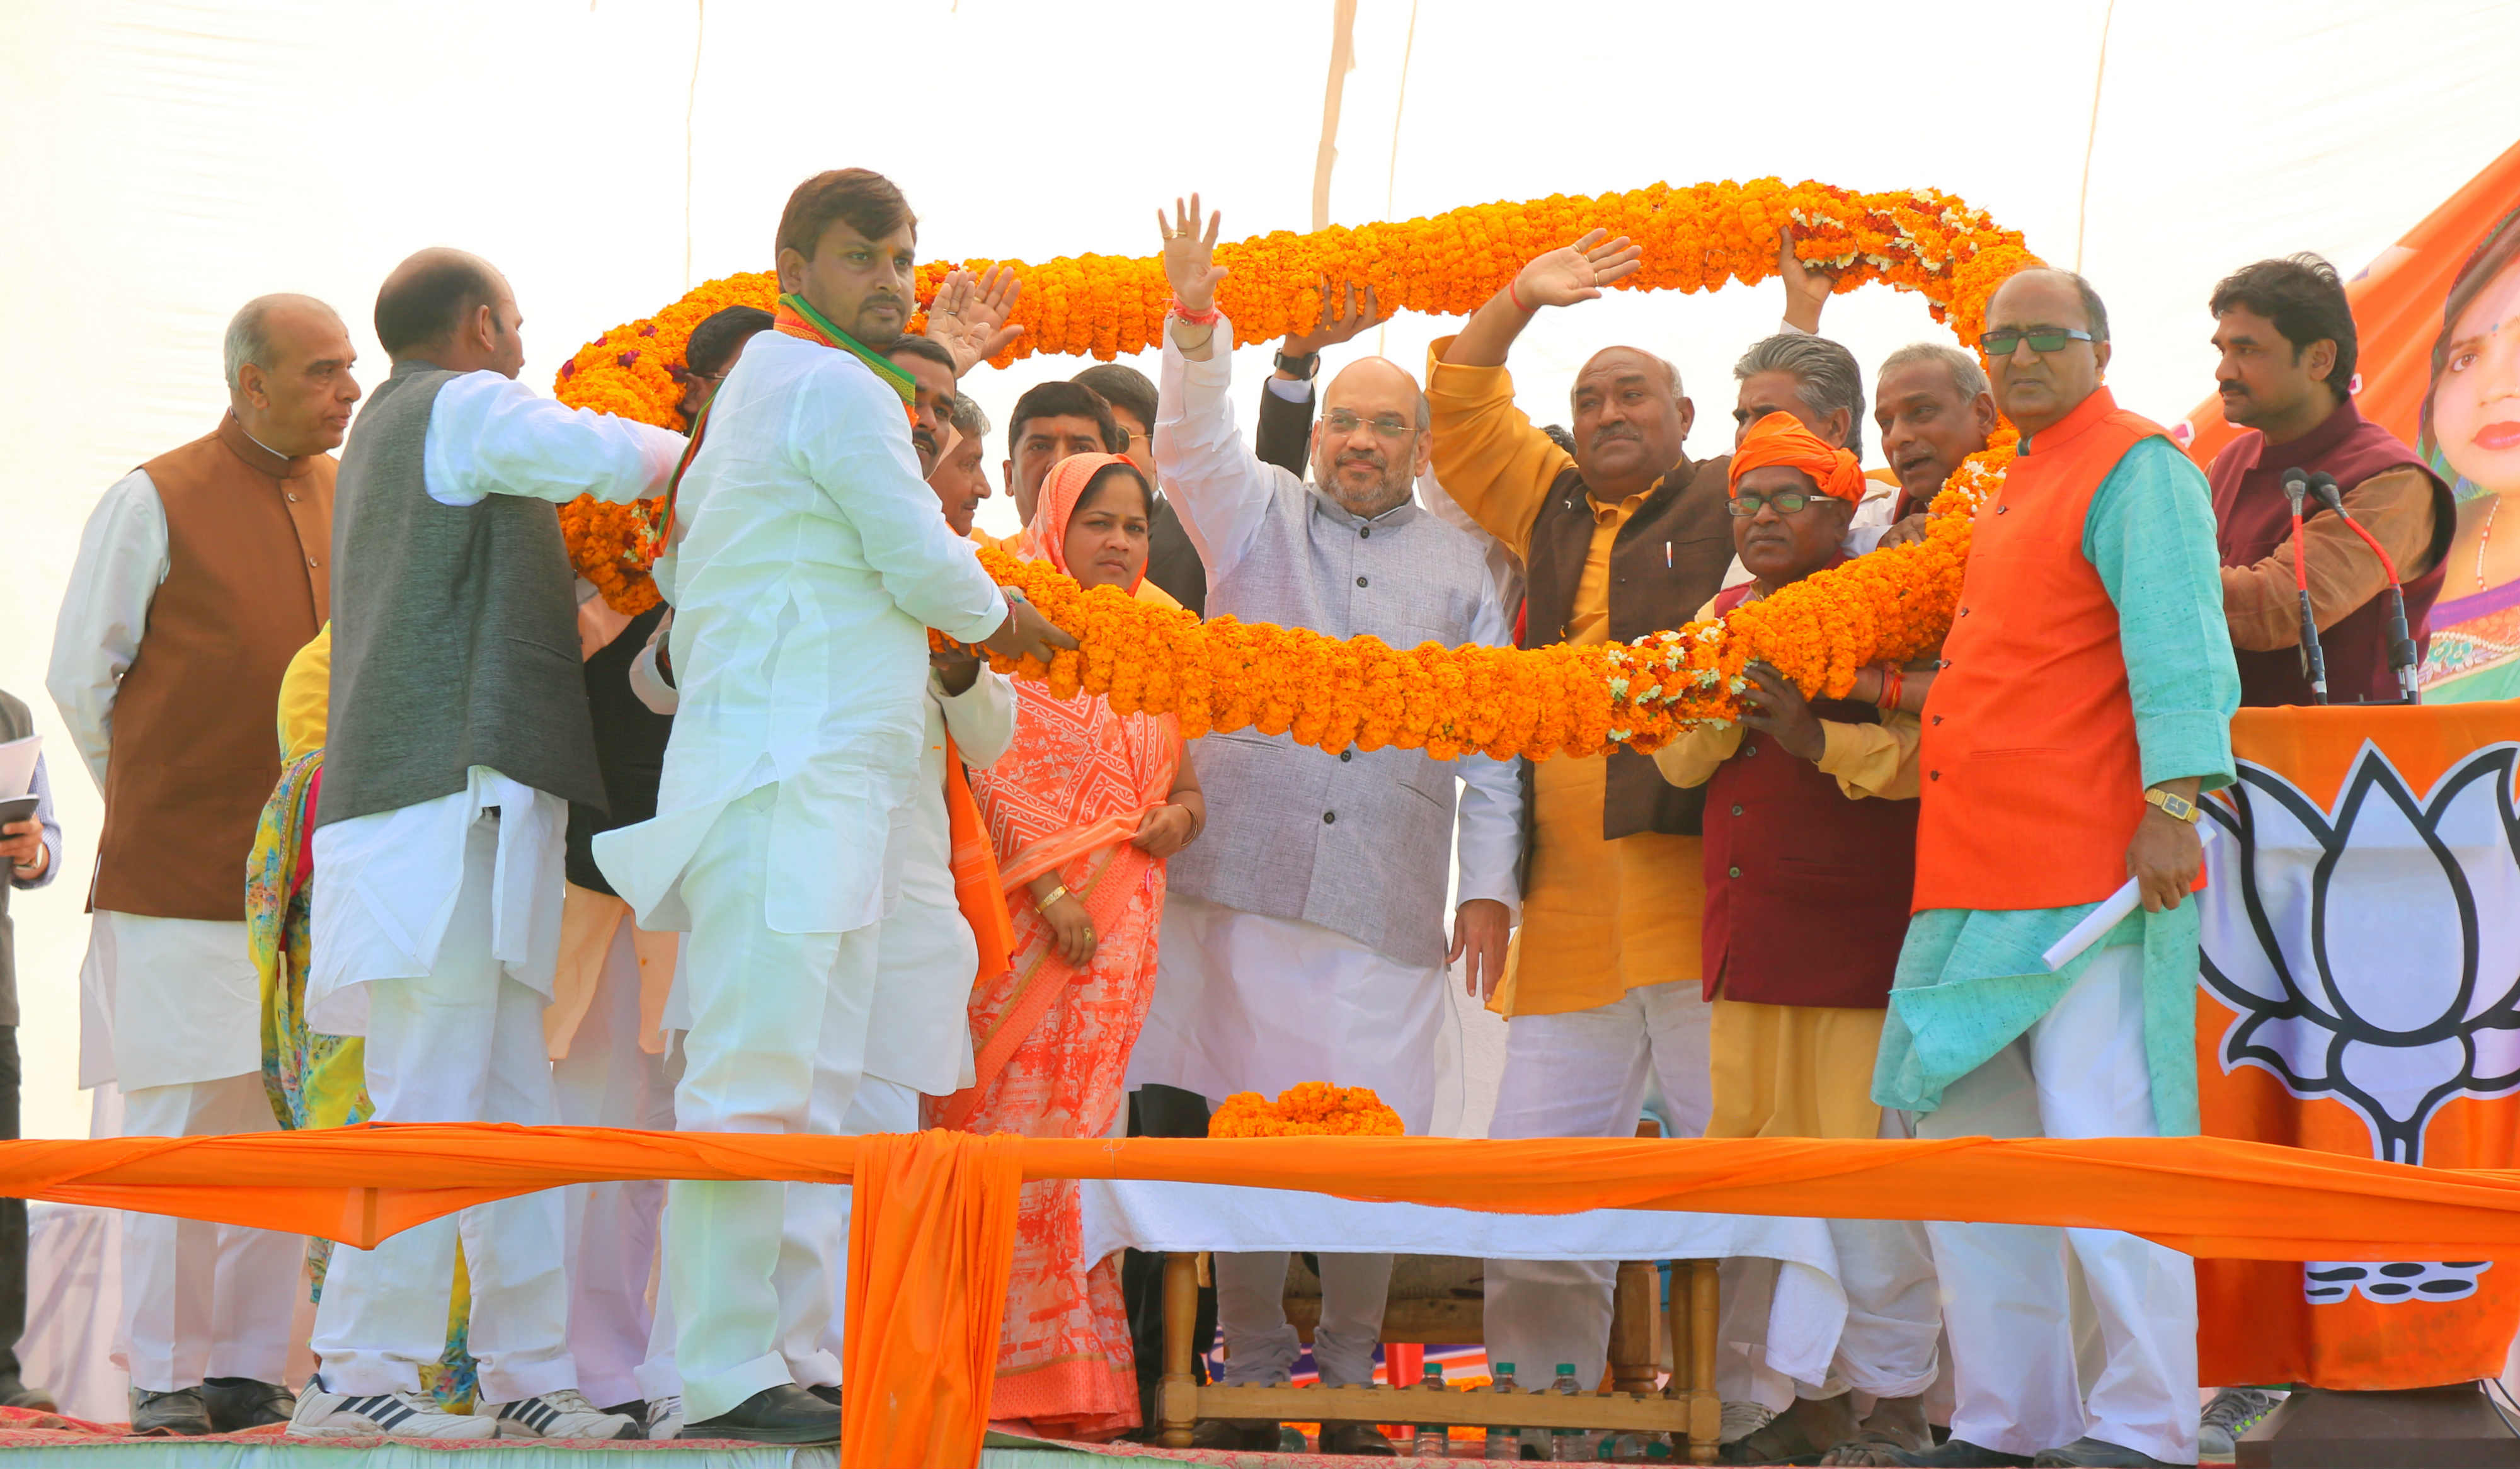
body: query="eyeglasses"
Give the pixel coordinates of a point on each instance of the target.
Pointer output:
(1786, 501)
(1999, 343)
(1389, 425)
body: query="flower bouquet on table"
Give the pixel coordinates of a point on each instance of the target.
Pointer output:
(1307, 1109)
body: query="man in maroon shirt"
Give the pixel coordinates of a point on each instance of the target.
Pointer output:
(1811, 810)
(2285, 333)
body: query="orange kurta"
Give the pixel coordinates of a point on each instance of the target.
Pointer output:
(1600, 917)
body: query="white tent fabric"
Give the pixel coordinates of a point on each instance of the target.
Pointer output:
(165, 160)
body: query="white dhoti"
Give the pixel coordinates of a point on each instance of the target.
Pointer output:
(607, 1080)
(1585, 1073)
(2078, 1072)
(777, 1036)
(170, 1014)
(1250, 1003)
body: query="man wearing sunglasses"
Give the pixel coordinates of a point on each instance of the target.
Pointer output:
(2086, 698)
(1811, 810)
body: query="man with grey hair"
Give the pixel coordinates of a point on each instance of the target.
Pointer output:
(1934, 409)
(1318, 888)
(200, 574)
(961, 478)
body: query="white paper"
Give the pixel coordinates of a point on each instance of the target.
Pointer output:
(2111, 911)
(18, 765)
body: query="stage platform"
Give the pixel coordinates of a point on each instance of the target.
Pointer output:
(25, 1437)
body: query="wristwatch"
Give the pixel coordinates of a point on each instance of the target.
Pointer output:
(1303, 367)
(2177, 808)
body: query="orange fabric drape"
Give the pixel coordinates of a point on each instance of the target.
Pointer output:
(931, 1231)
(933, 1225)
(977, 890)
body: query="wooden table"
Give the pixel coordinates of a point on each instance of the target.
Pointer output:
(1687, 1410)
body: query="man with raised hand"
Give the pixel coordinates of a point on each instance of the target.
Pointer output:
(1317, 889)
(812, 561)
(2084, 700)
(1622, 537)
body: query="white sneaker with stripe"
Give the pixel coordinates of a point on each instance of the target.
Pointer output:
(323, 1414)
(664, 1418)
(564, 1414)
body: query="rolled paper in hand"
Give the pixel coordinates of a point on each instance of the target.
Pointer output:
(2111, 911)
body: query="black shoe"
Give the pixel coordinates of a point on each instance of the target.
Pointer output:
(2099, 1452)
(15, 1393)
(1234, 1433)
(1960, 1454)
(1357, 1439)
(783, 1414)
(237, 1403)
(827, 1392)
(168, 1416)
(636, 1409)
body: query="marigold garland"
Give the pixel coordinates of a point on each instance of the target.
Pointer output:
(1694, 239)
(1307, 1109)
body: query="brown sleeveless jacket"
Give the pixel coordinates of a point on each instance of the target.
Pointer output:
(194, 753)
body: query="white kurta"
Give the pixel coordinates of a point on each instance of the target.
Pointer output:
(1246, 1002)
(812, 560)
(391, 877)
(162, 1001)
(919, 1032)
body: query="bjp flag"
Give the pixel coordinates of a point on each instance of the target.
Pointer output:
(2360, 994)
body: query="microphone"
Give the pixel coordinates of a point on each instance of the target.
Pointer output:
(2401, 646)
(2314, 661)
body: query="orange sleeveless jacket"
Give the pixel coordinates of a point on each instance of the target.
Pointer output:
(2034, 783)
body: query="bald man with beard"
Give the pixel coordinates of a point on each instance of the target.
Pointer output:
(1317, 890)
(459, 733)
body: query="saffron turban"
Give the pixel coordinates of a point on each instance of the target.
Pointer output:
(1779, 438)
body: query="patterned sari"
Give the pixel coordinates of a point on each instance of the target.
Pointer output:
(315, 1080)
(1052, 1040)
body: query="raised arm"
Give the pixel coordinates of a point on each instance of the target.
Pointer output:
(489, 434)
(1220, 488)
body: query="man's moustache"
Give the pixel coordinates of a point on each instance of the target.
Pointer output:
(1602, 436)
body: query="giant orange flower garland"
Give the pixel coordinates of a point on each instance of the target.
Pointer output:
(1223, 674)
(1307, 1109)
(1694, 239)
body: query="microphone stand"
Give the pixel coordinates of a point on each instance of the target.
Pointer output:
(2401, 646)
(2313, 660)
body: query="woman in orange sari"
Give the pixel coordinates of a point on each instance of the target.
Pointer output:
(1083, 809)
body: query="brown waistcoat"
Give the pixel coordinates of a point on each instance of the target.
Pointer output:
(194, 756)
(1669, 561)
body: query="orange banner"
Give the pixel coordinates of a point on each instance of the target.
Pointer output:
(2360, 998)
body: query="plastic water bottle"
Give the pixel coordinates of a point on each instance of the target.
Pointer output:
(1433, 1440)
(1504, 1444)
(1568, 1446)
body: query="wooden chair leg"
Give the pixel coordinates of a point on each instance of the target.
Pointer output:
(1633, 1359)
(1705, 1407)
(1177, 1396)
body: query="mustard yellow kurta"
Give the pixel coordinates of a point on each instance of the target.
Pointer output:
(1598, 918)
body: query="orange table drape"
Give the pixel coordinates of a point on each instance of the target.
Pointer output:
(933, 1222)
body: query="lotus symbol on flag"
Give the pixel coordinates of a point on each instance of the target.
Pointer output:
(2372, 951)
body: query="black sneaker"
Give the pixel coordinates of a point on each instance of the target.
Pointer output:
(15, 1393)
(237, 1403)
(168, 1416)
(783, 1414)
(829, 1392)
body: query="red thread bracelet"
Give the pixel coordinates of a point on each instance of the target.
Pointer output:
(1513, 296)
(1194, 317)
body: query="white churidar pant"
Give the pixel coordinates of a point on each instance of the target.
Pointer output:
(1260, 1348)
(2080, 1072)
(778, 1034)
(1583, 1074)
(606, 1081)
(462, 1042)
(202, 1300)
(813, 1271)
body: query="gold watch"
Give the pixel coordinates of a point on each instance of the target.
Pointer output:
(2177, 808)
